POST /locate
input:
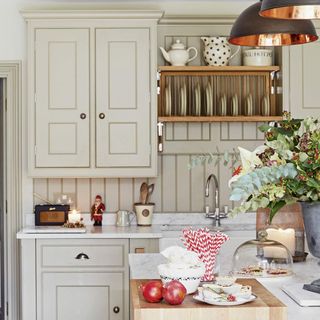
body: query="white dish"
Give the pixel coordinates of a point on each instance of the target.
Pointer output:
(168, 102)
(183, 100)
(197, 100)
(249, 105)
(223, 105)
(209, 100)
(235, 105)
(265, 106)
(238, 302)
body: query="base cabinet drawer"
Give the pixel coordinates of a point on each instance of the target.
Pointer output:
(104, 253)
(144, 246)
(81, 296)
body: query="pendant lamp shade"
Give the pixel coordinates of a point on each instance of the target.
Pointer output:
(291, 9)
(250, 29)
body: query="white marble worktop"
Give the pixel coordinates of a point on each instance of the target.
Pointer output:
(105, 232)
(164, 225)
(144, 266)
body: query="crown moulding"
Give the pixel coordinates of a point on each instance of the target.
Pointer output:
(198, 19)
(129, 14)
(91, 14)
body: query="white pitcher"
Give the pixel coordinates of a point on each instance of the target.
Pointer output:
(217, 51)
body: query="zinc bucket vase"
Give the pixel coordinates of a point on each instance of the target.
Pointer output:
(311, 218)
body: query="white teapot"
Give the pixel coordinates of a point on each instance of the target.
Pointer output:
(217, 51)
(179, 55)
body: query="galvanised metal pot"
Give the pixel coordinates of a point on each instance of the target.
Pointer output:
(311, 218)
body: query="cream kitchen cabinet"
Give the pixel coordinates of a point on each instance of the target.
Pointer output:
(81, 296)
(92, 93)
(75, 279)
(302, 69)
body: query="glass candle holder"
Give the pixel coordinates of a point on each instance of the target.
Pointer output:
(287, 228)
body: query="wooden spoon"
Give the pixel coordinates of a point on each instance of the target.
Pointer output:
(143, 193)
(150, 190)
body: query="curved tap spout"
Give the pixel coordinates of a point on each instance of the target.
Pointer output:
(212, 176)
(216, 205)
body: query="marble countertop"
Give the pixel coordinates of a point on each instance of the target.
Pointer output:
(144, 266)
(105, 232)
(164, 225)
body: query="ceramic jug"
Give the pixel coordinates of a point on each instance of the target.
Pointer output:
(123, 218)
(179, 55)
(217, 51)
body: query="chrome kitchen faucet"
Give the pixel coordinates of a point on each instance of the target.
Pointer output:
(216, 215)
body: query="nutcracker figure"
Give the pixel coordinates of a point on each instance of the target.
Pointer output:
(97, 210)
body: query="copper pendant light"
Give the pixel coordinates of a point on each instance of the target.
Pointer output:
(250, 29)
(291, 9)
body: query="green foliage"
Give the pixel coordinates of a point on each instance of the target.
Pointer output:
(252, 182)
(289, 169)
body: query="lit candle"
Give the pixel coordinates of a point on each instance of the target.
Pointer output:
(74, 216)
(285, 237)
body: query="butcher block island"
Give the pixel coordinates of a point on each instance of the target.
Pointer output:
(265, 307)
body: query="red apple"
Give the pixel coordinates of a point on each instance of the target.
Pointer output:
(152, 291)
(174, 292)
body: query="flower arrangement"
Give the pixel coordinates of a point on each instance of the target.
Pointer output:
(284, 170)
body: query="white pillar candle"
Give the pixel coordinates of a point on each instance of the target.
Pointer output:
(74, 216)
(285, 237)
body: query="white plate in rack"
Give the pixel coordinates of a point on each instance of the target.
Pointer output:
(168, 102)
(183, 100)
(209, 100)
(197, 100)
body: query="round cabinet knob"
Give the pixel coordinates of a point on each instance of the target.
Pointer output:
(102, 115)
(82, 256)
(83, 116)
(116, 309)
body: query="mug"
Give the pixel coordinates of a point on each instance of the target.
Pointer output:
(123, 218)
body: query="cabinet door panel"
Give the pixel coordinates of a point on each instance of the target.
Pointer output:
(304, 80)
(62, 95)
(80, 296)
(123, 95)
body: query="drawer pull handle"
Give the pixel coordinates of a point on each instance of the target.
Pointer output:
(82, 256)
(102, 115)
(116, 309)
(83, 116)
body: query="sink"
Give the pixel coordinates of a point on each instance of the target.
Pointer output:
(166, 227)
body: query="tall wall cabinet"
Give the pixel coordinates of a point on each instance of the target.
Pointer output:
(92, 93)
(302, 70)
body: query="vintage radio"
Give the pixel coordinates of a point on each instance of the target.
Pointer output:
(51, 215)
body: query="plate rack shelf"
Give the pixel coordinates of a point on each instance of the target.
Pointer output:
(219, 94)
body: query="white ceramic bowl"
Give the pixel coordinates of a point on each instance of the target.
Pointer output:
(189, 277)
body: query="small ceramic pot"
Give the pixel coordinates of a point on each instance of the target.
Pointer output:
(257, 57)
(144, 213)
